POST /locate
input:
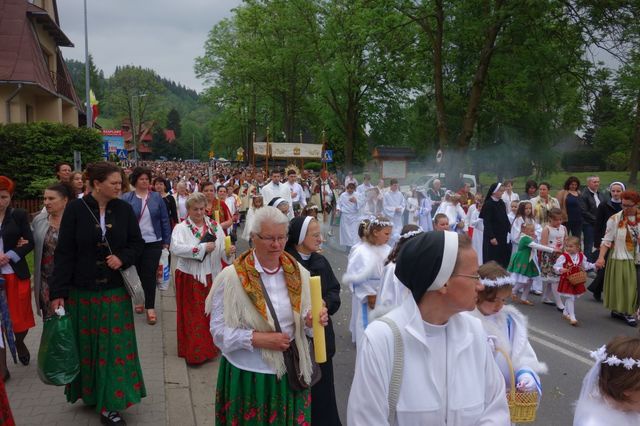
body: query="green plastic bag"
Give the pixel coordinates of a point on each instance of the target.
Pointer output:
(58, 361)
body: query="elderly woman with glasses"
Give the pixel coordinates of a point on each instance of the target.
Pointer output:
(252, 383)
(198, 244)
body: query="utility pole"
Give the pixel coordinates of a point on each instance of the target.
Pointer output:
(87, 83)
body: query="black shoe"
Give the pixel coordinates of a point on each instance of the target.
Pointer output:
(112, 418)
(617, 315)
(24, 359)
(549, 302)
(631, 320)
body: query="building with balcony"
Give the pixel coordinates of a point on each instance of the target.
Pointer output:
(35, 84)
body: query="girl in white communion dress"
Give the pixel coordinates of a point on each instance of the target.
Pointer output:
(610, 392)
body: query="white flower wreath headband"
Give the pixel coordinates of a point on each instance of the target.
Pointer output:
(382, 223)
(498, 282)
(410, 234)
(601, 357)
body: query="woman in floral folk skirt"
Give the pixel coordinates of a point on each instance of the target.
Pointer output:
(87, 283)
(253, 387)
(198, 244)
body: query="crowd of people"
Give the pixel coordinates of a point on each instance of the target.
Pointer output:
(429, 271)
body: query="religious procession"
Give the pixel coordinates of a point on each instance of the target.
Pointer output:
(319, 212)
(437, 279)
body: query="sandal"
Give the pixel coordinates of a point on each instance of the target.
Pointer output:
(151, 317)
(112, 418)
(139, 309)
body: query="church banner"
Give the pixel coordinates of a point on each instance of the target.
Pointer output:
(289, 150)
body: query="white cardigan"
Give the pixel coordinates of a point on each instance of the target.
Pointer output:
(476, 393)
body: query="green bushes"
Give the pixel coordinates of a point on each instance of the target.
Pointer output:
(31, 151)
(584, 160)
(618, 161)
(313, 165)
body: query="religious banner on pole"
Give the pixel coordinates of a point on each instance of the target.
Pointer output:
(289, 150)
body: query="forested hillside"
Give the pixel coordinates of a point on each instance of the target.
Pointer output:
(141, 94)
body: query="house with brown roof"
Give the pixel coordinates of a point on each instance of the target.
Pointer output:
(35, 84)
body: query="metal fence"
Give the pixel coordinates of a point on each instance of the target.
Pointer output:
(32, 206)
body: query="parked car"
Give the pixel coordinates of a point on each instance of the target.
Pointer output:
(426, 181)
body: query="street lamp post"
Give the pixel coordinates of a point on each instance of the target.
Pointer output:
(133, 126)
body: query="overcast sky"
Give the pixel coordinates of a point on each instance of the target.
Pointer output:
(164, 35)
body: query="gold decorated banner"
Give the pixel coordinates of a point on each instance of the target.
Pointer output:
(289, 150)
(260, 148)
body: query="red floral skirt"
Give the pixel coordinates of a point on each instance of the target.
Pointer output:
(6, 418)
(19, 301)
(195, 343)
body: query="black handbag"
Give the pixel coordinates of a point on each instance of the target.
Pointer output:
(292, 357)
(207, 238)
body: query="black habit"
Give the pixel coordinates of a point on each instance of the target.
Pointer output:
(496, 225)
(324, 410)
(604, 212)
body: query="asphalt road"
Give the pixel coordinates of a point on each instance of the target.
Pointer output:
(564, 348)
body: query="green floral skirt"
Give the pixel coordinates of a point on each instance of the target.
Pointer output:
(248, 398)
(110, 375)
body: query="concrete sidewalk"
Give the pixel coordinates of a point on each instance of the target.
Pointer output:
(190, 391)
(176, 394)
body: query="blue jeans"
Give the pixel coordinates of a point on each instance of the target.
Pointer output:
(588, 233)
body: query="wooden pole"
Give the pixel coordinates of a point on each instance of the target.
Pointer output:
(253, 153)
(324, 146)
(266, 155)
(301, 156)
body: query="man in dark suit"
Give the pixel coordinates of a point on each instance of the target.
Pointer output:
(590, 199)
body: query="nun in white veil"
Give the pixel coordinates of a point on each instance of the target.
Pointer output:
(427, 362)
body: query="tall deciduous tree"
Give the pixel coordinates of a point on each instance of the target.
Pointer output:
(259, 68)
(614, 26)
(133, 93)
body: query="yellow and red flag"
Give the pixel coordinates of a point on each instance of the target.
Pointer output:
(95, 109)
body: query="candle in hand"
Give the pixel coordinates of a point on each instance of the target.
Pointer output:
(227, 244)
(319, 342)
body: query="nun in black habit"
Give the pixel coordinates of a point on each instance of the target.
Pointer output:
(496, 227)
(305, 237)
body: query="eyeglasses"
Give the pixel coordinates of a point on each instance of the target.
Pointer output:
(475, 277)
(281, 239)
(628, 206)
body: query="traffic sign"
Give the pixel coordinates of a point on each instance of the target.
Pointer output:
(328, 156)
(122, 154)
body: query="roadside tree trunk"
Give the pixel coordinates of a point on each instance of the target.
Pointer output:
(635, 147)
